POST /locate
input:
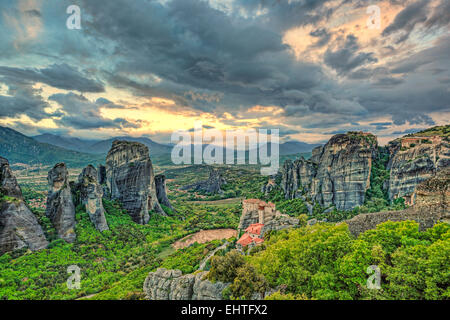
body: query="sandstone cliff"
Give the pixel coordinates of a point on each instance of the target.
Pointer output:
(338, 174)
(173, 285)
(131, 180)
(432, 205)
(60, 207)
(91, 194)
(410, 164)
(19, 228)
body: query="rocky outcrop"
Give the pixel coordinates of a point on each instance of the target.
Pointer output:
(411, 164)
(60, 207)
(434, 193)
(271, 184)
(280, 222)
(173, 285)
(432, 205)
(337, 175)
(161, 194)
(131, 180)
(19, 227)
(91, 194)
(297, 177)
(212, 185)
(256, 211)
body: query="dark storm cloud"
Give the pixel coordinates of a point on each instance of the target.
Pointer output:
(22, 99)
(407, 19)
(61, 76)
(440, 15)
(348, 57)
(80, 113)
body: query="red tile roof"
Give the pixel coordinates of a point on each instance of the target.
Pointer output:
(245, 240)
(255, 228)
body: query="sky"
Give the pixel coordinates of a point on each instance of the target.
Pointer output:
(310, 68)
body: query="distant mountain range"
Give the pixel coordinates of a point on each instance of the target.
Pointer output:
(99, 146)
(18, 148)
(48, 149)
(103, 146)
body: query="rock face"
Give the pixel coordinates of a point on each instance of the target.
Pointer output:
(91, 194)
(280, 222)
(173, 285)
(131, 180)
(410, 164)
(266, 189)
(60, 207)
(161, 194)
(432, 205)
(212, 185)
(101, 174)
(434, 193)
(256, 211)
(297, 177)
(338, 174)
(19, 227)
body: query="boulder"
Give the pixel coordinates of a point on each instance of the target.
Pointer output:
(166, 284)
(19, 228)
(60, 207)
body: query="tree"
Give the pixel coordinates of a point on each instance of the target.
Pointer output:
(247, 282)
(225, 268)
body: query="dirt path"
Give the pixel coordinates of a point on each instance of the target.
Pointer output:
(205, 236)
(203, 263)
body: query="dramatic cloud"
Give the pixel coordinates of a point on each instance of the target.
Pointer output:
(348, 56)
(80, 113)
(60, 76)
(228, 62)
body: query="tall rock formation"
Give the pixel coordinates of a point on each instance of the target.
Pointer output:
(131, 180)
(161, 194)
(91, 194)
(212, 185)
(338, 174)
(60, 207)
(413, 160)
(19, 227)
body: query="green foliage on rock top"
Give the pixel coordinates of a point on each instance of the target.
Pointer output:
(326, 262)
